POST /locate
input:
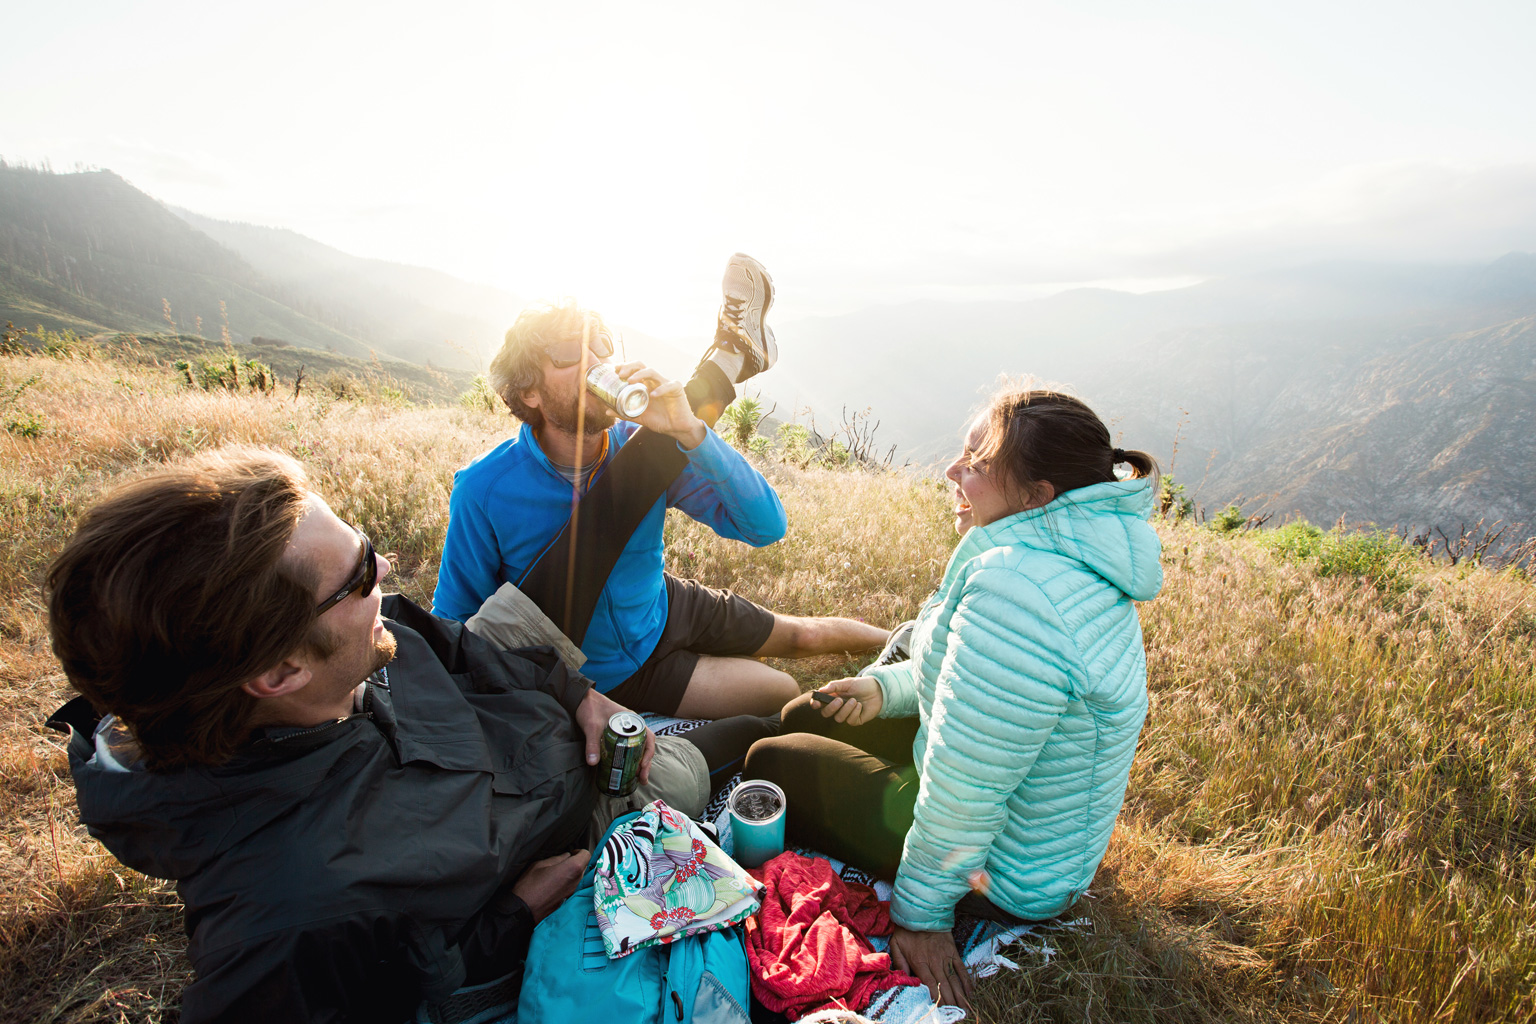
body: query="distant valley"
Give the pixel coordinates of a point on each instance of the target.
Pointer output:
(1400, 395)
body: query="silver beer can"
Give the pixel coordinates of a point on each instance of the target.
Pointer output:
(627, 399)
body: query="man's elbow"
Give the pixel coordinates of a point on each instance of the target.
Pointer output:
(771, 533)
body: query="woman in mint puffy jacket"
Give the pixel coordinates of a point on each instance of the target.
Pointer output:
(986, 770)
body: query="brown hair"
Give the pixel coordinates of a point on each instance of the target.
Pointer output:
(1034, 435)
(519, 365)
(173, 592)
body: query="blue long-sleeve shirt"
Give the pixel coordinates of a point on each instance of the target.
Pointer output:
(509, 503)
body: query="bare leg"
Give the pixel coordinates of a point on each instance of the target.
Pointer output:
(797, 636)
(721, 687)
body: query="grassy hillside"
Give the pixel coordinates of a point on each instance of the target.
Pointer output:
(97, 254)
(1328, 820)
(340, 376)
(415, 313)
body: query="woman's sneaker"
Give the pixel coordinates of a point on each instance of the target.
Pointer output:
(898, 647)
(741, 330)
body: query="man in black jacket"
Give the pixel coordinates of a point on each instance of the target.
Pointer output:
(366, 808)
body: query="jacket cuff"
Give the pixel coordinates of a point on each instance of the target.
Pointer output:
(898, 689)
(573, 691)
(918, 919)
(712, 458)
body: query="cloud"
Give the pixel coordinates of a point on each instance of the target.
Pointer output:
(1407, 212)
(1398, 212)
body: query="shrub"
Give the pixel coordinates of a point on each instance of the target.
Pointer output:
(739, 421)
(1228, 520)
(1378, 557)
(228, 374)
(1173, 503)
(26, 425)
(480, 397)
(794, 442)
(1296, 541)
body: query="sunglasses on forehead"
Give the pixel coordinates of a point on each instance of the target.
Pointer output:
(362, 580)
(568, 352)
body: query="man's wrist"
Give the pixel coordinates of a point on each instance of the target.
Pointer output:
(692, 437)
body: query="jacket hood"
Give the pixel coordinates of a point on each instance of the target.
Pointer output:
(1103, 526)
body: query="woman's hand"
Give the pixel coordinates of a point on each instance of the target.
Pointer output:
(858, 700)
(931, 957)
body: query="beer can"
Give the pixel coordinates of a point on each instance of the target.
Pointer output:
(618, 770)
(627, 399)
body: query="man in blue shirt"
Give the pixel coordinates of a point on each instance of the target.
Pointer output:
(652, 641)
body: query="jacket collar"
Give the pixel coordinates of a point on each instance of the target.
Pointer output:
(1103, 526)
(525, 436)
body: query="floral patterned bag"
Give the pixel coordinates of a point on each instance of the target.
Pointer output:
(659, 877)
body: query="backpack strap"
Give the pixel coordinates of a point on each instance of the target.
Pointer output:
(572, 571)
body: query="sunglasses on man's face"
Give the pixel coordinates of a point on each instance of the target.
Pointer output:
(568, 352)
(362, 580)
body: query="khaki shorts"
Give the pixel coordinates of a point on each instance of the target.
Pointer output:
(679, 775)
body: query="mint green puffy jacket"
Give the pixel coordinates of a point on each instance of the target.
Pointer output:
(1030, 678)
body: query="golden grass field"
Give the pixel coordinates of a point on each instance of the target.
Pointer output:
(1330, 817)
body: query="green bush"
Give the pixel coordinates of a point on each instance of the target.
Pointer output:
(480, 397)
(1228, 520)
(1296, 541)
(1173, 503)
(1381, 558)
(229, 374)
(738, 423)
(28, 424)
(794, 442)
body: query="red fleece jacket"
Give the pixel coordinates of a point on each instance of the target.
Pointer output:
(807, 946)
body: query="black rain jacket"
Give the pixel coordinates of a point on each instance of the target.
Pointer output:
(348, 871)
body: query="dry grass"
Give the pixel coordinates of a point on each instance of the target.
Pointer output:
(1329, 818)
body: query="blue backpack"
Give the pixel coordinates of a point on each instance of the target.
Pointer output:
(701, 979)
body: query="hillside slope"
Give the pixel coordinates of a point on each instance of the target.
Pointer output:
(1239, 373)
(413, 312)
(89, 252)
(1441, 433)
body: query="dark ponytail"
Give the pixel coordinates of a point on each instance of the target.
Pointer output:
(1142, 464)
(1036, 436)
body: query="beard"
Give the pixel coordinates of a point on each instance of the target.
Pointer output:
(383, 651)
(565, 412)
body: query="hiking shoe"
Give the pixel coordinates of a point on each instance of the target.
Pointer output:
(898, 647)
(741, 328)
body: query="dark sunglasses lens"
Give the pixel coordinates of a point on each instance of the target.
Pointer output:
(370, 571)
(568, 352)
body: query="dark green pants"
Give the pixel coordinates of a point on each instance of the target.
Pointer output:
(850, 789)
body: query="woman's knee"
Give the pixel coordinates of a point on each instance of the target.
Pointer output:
(766, 759)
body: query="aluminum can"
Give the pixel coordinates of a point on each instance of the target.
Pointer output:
(627, 399)
(618, 770)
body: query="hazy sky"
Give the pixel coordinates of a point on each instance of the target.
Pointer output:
(866, 152)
